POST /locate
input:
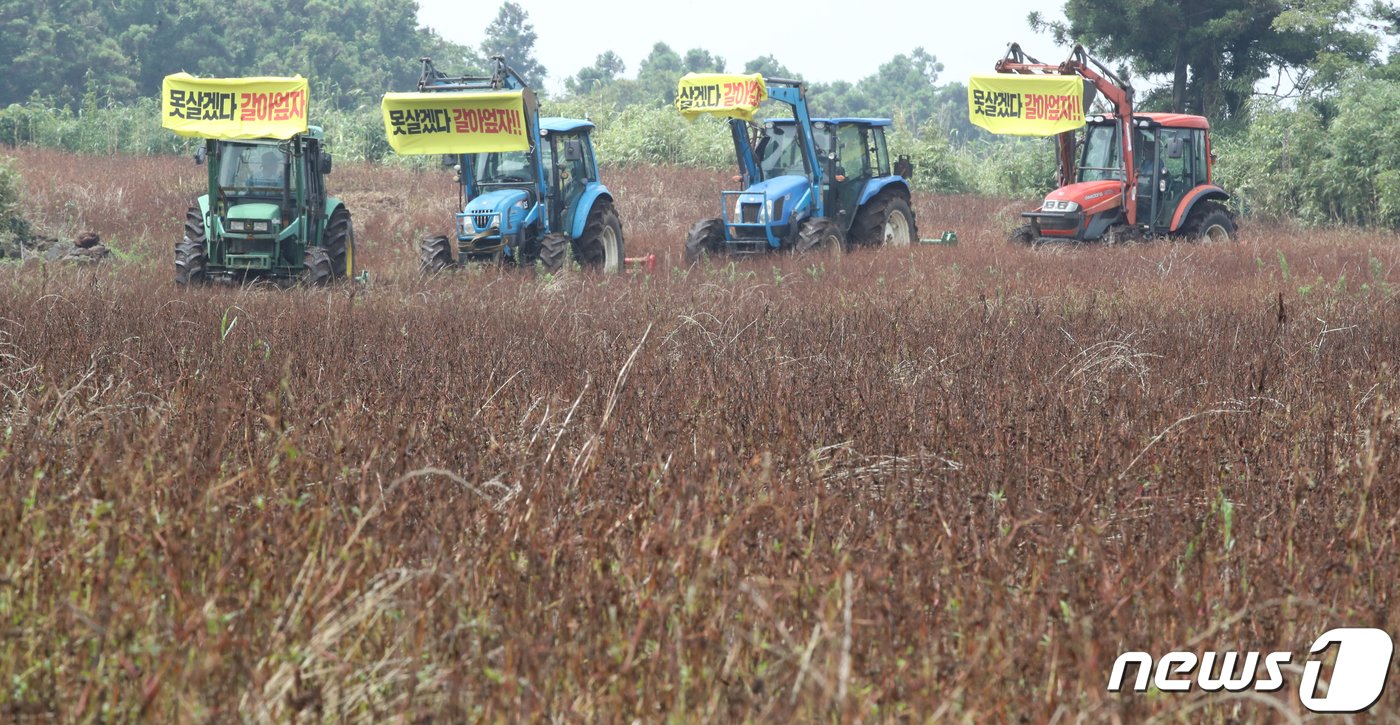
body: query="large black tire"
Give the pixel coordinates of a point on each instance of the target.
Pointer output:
(706, 238)
(1023, 235)
(599, 248)
(317, 269)
(887, 220)
(820, 236)
(340, 243)
(554, 252)
(191, 257)
(435, 254)
(1210, 222)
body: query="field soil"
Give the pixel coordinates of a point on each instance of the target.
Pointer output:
(941, 483)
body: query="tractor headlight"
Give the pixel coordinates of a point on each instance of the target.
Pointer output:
(262, 226)
(1061, 206)
(237, 225)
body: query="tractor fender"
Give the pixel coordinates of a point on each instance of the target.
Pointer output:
(584, 207)
(203, 203)
(875, 186)
(331, 203)
(1204, 192)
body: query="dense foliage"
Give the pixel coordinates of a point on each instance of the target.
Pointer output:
(119, 50)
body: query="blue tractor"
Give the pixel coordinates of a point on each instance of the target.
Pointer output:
(527, 207)
(810, 185)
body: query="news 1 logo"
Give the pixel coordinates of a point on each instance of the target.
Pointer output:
(1358, 675)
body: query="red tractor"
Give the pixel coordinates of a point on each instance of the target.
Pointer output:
(1134, 176)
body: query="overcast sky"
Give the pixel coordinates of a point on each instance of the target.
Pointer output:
(824, 40)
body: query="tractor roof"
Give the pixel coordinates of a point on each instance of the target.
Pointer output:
(838, 121)
(555, 124)
(1170, 120)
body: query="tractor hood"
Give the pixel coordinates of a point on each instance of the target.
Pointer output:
(255, 211)
(782, 192)
(503, 208)
(1090, 197)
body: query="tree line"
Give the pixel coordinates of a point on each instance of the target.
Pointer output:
(1301, 93)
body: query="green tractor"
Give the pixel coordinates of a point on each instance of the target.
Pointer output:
(266, 215)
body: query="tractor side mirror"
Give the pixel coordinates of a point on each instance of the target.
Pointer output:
(573, 150)
(449, 160)
(1174, 147)
(200, 154)
(325, 162)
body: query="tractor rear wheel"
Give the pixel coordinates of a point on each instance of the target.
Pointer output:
(435, 254)
(887, 220)
(340, 243)
(599, 248)
(191, 259)
(317, 269)
(820, 236)
(554, 251)
(1210, 223)
(1023, 235)
(706, 238)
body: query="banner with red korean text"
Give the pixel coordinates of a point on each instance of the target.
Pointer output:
(455, 123)
(234, 108)
(720, 94)
(1021, 105)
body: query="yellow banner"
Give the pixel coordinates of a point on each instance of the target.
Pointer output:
(455, 123)
(233, 108)
(1026, 105)
(720, 94)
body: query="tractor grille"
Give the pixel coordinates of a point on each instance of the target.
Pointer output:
(1067, 223)
(749, 213)
(250, 246)
(483, 219)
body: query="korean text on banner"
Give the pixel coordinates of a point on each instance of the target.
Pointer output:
(718, 94)
(233, 108)
(455, 123)
(1026, 105)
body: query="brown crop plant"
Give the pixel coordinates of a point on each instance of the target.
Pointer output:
(941, 483)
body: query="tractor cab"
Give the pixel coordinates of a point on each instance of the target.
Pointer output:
(807, 184)
(855, 166)
(263, 191)
(1172, 164)
(859, 160)
(529, 191)
(504, 192)
(1156, 182)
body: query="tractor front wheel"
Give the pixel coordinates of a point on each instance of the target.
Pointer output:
(887, 220)
(820, 236)
(340, 243)
(706, 238)
(554, 251)
(600, 246)
(1211, 223)
(191, 259)
(1023, 235)
(317, 269)
(435, 254)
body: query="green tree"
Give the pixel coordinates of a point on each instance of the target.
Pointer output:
(1215, 51)
(769, 67)
(699, 60)
(513, 36)
(657, 75)
(906, 87)
(604, 70)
